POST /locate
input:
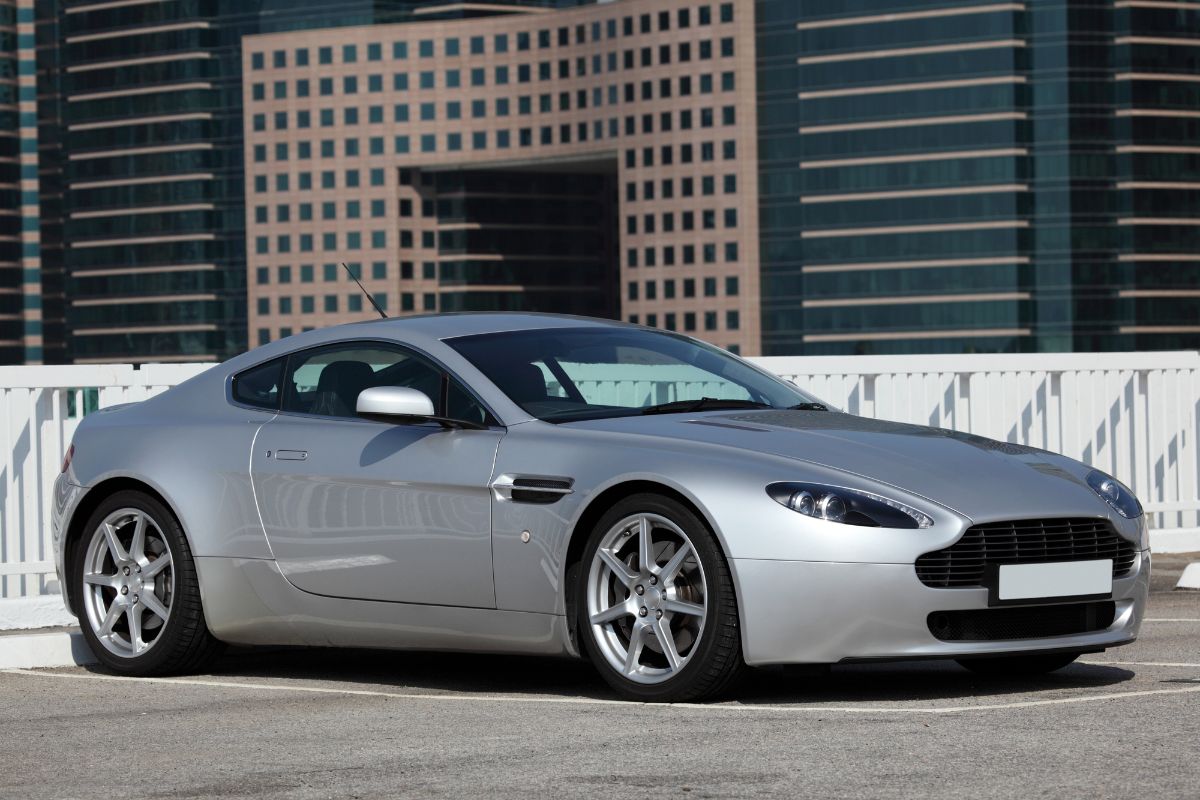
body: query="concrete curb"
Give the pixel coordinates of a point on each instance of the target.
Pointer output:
(1190, 579)
(59, 647)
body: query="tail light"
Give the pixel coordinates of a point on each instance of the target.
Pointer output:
(67, 458)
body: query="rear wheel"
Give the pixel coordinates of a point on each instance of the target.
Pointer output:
(139, 600)
(1018, 666)
(657, 609)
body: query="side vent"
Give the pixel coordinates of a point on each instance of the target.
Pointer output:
(539, 489)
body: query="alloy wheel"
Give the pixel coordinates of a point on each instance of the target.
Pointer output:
(646, 598)
(128, 582)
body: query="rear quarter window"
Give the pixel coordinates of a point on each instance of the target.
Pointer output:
(259, 386)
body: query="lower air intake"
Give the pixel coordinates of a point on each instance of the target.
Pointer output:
(1026, 622)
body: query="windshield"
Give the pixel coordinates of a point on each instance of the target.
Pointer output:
(561, 375)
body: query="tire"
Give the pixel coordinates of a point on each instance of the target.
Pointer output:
(1020, 666)
(695, 605)
(133, 588)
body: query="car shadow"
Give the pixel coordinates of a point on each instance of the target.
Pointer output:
(420, 672)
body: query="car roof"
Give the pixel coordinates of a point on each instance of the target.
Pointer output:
(471, 323)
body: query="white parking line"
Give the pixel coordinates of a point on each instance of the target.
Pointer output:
(594, 701)
(1173, 619)
(1142, 663)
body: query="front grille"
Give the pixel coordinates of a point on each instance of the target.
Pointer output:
(1026, 541)
(1025, 622)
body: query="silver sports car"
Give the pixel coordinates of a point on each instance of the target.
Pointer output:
(564, 486)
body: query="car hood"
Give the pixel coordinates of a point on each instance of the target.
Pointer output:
(980, 478)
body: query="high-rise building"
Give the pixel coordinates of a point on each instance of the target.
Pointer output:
(1011, 176)
(598, 160)
(21, 331)
(883, 176)
(151, 165)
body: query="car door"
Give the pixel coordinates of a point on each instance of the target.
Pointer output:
(372, 510)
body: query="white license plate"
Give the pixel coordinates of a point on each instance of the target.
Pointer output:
(1065, 579)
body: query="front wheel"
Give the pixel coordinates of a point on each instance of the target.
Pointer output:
(658, 613)
(1018, 666)
(139, 600)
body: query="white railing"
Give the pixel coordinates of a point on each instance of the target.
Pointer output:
(39, 410)
(1135, 415)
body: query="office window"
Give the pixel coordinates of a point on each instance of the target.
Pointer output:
(425, 48)
(399, 50)
(349, 54)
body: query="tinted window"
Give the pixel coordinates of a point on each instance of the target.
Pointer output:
(327, 381)
(259, 386)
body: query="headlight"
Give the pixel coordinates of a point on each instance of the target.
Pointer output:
(847, 506)
(1115, 493)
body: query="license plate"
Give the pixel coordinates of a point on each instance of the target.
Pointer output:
(1016, 583)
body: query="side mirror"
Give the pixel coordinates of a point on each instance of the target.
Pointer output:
(395, 404)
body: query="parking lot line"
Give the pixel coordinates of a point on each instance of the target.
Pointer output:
(1142, 663)
(714, 707)
(1173, 619)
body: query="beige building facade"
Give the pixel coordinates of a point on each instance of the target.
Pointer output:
(599, 160)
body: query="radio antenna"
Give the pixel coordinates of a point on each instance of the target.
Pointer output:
(370, 299)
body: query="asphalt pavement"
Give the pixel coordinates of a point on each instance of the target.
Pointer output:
(324, 723)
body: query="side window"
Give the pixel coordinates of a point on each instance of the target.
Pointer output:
(327, 381)
(259, 386)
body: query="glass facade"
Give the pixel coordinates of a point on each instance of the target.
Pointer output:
(21, 329)
(527, 241)
(979, 177)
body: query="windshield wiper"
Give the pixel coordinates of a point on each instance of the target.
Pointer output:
(808, 407)
(703, 404)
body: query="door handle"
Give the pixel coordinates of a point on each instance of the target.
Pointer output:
(290, 455)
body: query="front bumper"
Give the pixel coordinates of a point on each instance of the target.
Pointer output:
(808, 612)
(66, 499)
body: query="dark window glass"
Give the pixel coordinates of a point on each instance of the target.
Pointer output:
(259, 386)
